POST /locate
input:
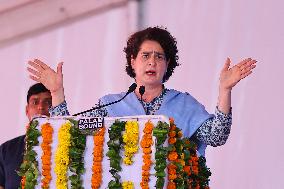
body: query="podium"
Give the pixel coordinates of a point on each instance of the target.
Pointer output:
(55, 148)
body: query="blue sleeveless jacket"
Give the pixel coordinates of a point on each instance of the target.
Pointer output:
(187, 112)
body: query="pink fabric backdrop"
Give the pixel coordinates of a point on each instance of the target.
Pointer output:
(207, 33)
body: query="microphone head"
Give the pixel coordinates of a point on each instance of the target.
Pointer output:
(132, 88)
(141, 90)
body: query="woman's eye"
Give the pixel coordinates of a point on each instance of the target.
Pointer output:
(160, 57)
(145, 56)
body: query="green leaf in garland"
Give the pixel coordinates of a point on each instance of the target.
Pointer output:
(160, 183)
(115, 164)
(160, 173)
(76, 152)
(114, 185)
(29, 167)
(114, 147)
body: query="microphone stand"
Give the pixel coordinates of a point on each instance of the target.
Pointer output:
(130, 90)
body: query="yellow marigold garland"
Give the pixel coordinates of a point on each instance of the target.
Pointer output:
(98, 157)
(46, 132)
(62, 156)
(131, 140)
(127, 185)
(146, 144)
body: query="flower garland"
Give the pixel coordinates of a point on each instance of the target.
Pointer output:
(23, 182)
(191, 164)
(146, 144)
(131, 140)
(114, 146)
(197, 172)
(97, 158)
(127, 185)
(29, 168)
(46, 132)
(204, 173)
(161, 133)
(185, 168)
(76, 153)
(62, 155)
(175, 157)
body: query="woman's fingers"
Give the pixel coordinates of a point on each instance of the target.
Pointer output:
(36, 66)
(34, 72)
(43, 65)
(227, 64)
(59, 68)
(34, 78)
(248, 66)
(243, 62)
(246, 74)
(247, 63)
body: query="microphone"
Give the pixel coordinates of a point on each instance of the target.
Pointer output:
(130, 90)
(141, 91)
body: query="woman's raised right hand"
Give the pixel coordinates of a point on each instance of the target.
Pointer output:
(52, 80)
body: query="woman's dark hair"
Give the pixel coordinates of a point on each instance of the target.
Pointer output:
(160, 35)
(36, 89)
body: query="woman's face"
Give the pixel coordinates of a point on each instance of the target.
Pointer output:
(150, 65)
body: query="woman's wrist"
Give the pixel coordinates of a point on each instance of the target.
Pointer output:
(57, 97)
(224, 90)
(224, 100)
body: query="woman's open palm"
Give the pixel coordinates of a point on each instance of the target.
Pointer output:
(229, 77)
(40, 72)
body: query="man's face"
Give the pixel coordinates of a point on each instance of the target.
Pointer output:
(38, 105)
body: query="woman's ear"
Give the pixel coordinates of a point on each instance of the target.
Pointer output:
(132, 61)
(167, 65)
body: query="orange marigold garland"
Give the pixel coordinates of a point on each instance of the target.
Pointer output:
(191, 165)
(23, 182)
(146, 144)
(46, 132)
(185, 168)
(97, 158)
(195, 167)
(175, 157)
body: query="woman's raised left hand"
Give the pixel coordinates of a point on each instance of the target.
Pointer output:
(230, 76)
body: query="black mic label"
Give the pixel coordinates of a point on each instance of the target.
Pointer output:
(89, 125)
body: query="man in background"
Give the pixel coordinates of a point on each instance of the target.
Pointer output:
(11, 152)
